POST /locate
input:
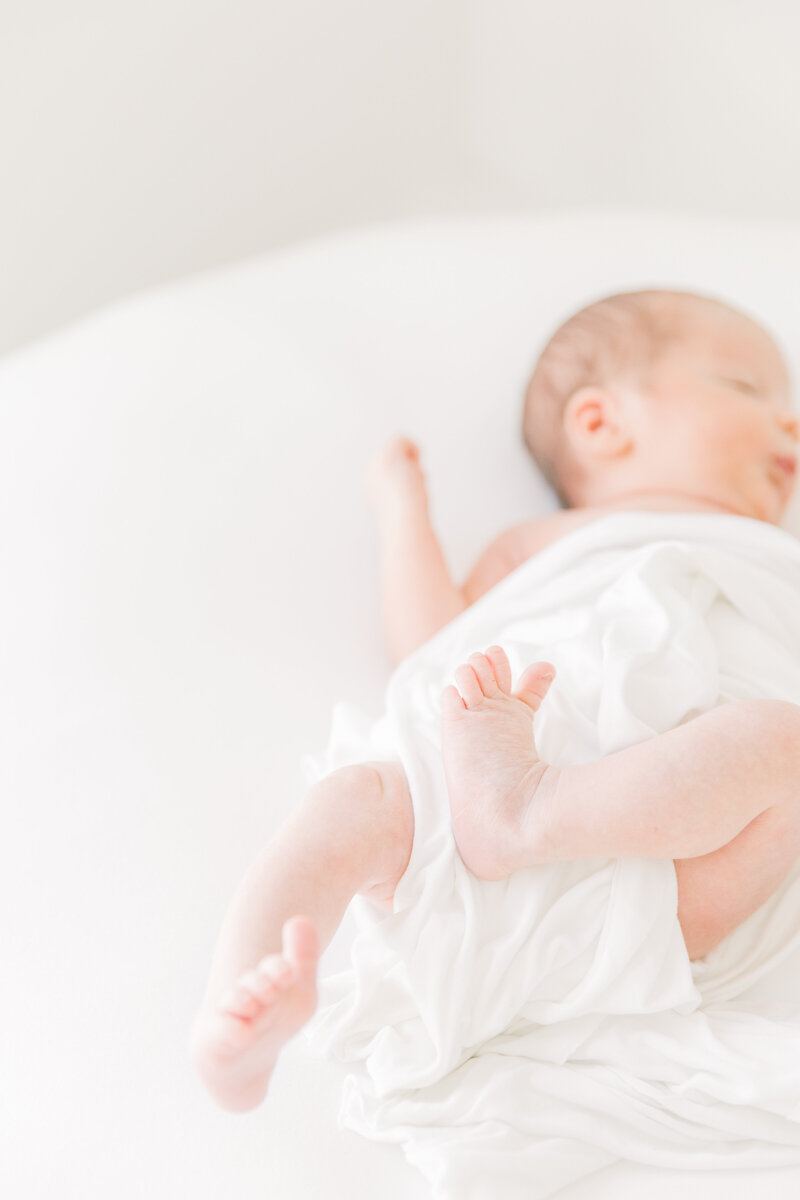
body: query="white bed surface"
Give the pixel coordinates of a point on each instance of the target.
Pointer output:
(191, 583)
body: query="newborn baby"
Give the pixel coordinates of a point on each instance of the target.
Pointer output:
(649, 401)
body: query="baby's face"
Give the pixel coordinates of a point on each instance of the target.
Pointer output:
(717, 419)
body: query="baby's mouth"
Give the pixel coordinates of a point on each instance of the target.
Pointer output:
(783, 469)
(787, 464)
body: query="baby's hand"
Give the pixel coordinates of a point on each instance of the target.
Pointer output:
(395, 476)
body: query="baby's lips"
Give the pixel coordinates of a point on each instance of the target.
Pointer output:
(783, 471)
(787, 463)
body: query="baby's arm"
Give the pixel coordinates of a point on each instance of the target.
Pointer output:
(419, 596)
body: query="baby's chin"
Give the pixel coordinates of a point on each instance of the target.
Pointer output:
(762, 497)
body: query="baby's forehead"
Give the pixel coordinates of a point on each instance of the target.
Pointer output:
(726, 336)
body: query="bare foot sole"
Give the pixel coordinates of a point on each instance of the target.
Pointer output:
(491, 764)
(235, 1046)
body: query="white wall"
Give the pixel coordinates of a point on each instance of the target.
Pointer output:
(144, 139)
(691, 105)
(141, 139)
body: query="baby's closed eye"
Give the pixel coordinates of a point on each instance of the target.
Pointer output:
(744, 385)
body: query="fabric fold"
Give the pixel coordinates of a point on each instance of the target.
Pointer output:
(514, 1036)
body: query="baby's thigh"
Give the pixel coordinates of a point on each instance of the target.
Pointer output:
(718, 891)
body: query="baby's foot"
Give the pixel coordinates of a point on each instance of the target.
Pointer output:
(235, 1046)
(491, 764)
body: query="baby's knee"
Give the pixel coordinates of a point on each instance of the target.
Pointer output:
(371, 787)
(367, 808)
(389, 803)
(358, 781)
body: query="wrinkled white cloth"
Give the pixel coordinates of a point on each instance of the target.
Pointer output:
(514, 1036)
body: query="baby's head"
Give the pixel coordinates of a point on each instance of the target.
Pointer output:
(661, 392)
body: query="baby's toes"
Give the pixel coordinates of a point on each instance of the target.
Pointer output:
(485, 674)
(453, 706)
(468, 685)
(243, 1000)
(535, 683)
(300, 943)
(502, 667)
(275, 971)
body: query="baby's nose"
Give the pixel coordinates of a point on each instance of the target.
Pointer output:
(790, 421)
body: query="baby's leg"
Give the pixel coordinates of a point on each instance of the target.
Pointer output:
(352, 834)
(720, 795)
(680, 794)
(718, 891)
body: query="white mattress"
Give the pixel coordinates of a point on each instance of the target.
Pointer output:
(191, 582)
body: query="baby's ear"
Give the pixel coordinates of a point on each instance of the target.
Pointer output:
(594, 421)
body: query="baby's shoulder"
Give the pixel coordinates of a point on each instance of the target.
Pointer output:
(529, 537)
(516, 545)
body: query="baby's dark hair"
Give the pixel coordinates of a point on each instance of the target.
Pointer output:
(618, 337)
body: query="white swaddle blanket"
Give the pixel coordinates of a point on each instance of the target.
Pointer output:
(514, 1036)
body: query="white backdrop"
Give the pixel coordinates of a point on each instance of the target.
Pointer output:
(143, 140)
(190, 583)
